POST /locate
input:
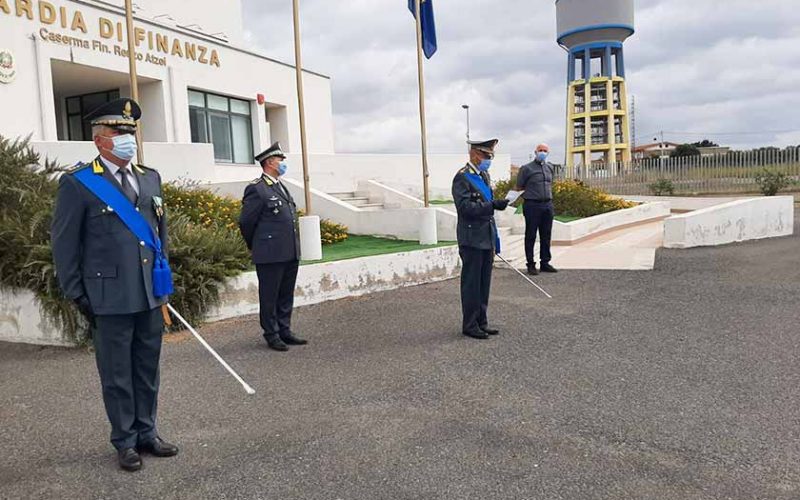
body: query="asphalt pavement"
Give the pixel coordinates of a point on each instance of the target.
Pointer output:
(679, 383)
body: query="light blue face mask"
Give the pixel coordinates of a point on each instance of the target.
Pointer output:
(541, 155)
(484, 165)
(124, 146)
(282, 168)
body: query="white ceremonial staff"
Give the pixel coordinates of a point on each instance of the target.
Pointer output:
(526, 278)
(247, 388)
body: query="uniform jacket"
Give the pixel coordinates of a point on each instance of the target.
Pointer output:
(94, 251)
(535, 179)
(476, 225)
(267, 222)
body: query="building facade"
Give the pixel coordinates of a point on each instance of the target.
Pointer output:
(593, 32)
(208, 103)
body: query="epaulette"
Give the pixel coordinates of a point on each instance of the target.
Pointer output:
(463, 170)
(256, 181)
(76, 167)
(142, 168)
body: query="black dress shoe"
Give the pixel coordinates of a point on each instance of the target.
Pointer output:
(158, 448)
(289, 338)
(476, 334)
(547, 268)
(129, 460)
(532, 270)
(275, 342)
(490, 331)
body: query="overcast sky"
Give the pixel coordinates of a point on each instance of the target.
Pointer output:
(727, 70)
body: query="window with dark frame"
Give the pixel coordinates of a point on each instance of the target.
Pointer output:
(79, 106)
(225, 123)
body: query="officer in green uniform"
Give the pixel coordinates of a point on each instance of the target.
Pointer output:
(267, 224)
(477, 236)
(104, 268)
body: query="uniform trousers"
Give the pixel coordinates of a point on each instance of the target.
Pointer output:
(538, 217)
(127, 349)
(276, 284)
(476, 282)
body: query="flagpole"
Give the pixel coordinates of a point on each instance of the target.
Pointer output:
(300, 102)
(421, 78)
(132, 70)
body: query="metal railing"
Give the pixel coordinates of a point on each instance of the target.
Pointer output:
(732, 173)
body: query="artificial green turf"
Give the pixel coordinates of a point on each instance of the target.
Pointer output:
(567, 218)
(441, 202)
(362, 246)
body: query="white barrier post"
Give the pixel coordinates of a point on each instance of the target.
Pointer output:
(310, 238)
(427, 227)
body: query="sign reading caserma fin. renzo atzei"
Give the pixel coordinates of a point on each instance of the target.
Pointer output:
(158, 45)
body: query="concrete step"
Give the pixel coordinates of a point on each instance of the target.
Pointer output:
(347, 194)
(369, 205)
(355, 200)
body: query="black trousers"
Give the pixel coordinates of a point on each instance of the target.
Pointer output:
(476, 282)
(127, 348)
(276, 296)
(538, 217)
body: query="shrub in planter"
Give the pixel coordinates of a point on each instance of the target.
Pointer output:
(202, 255)
(203, 206)
(574, 198)
(771, 181)
(662, 187)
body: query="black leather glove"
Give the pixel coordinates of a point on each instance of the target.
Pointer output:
(500, 204)
(85, 308)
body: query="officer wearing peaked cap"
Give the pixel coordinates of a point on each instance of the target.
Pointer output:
(478, 240)
(109, 273)
(267, 224)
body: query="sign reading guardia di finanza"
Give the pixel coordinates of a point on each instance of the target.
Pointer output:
(158, 45)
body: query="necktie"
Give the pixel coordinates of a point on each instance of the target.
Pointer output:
(127, 187)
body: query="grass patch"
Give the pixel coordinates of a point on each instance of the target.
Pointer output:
(567, 218)
(440, 202)
(362, 246)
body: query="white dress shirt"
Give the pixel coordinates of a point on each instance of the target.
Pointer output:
(115, 171)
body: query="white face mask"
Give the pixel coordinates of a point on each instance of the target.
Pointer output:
(124, 146)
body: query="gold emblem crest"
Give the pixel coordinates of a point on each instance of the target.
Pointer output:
(127, 112)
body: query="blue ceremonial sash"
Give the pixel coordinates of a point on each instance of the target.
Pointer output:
(477, 182)
(122, 206)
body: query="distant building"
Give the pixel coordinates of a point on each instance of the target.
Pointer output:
(664, 149)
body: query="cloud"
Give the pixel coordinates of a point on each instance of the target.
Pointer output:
(723, 69)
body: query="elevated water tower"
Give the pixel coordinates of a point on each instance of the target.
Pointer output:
(592, 32)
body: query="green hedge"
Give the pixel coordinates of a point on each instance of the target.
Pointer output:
(202, 253)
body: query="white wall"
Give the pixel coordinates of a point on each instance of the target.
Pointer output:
(742, 220)
(28, 106)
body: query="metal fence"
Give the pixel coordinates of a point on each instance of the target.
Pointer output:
(733, 173)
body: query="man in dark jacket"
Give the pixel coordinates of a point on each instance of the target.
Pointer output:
(478, 240)
(108, 272)
(267, 224)
(535, 180)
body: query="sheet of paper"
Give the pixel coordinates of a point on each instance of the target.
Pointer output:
(512, 196)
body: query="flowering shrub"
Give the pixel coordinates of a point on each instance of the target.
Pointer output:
(202, 206)
(331, 231)
(573, 198)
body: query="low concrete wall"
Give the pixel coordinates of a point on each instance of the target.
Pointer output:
(750, 219)
(568, 233)
(347, 278)
(21, 321)
(575, 231)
